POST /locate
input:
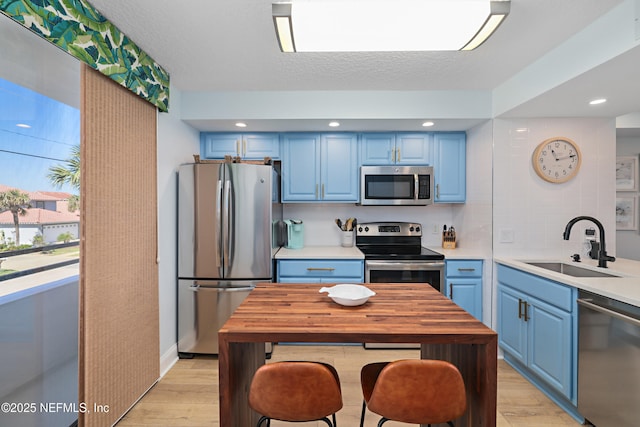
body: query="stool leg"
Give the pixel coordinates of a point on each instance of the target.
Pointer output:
(382, 421)
(364, 408)
(335, 424)
(261, 420)
(326, 420)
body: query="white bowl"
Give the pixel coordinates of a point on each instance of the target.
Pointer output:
(349, 295)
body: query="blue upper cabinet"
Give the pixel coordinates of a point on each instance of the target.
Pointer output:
(396, 149)
(300, 167)
(320, 168)
(378, 148)
(414, 149)
(248, 146)
(450, 152)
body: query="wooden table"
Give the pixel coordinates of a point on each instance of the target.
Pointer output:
(398, 313)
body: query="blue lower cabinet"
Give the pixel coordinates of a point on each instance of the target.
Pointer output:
(463, 284)
(537, 331)
(320, 271)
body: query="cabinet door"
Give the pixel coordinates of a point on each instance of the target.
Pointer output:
(467, 294)
(512, 331)
(339, 168)
(300, 167)
(261, 145)
(549, 345)
(414, 149)
(218, 145)
(450, 167)
(377, 148)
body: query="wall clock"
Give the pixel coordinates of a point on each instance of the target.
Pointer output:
(557, 159)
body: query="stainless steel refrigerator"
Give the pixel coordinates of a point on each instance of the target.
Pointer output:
(224, 246)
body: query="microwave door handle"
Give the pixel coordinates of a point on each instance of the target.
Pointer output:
(416, 186)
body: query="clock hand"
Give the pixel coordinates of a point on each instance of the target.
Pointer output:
(555, 156)
(565, 157)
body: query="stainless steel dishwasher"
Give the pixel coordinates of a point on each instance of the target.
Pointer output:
(608, 361)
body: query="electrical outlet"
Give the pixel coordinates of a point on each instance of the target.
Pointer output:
(436, 229)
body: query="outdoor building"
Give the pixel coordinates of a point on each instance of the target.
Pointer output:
(48, 216)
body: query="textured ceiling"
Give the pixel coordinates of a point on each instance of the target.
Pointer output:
(230, 45)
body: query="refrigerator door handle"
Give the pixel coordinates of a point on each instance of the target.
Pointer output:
(219, 226)
(226, 224)
(196, 288)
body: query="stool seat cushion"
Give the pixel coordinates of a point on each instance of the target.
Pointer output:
(295, 391)
(414, 391)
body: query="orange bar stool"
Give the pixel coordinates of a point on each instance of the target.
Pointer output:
(413, 391)
(296, 392)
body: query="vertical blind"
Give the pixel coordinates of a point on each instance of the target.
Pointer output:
(119, 325)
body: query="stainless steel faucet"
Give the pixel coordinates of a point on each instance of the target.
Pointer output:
(602, 253)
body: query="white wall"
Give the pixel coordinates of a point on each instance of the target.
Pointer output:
(534, 211)
(627, 241)
(177, 143)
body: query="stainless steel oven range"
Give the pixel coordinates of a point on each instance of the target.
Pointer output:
(393, 253)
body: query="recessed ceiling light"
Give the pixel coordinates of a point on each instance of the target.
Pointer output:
(598, 101)
(241, 125)
(522, 129)
(23, 125)
(334, 124)
(428, 124)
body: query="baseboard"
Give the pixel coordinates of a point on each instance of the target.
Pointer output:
(168, 359)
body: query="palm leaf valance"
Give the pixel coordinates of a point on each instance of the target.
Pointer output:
(79, 29)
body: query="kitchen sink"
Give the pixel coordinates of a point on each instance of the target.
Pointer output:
(570, 270)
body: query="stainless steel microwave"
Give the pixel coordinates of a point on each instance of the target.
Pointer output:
(396, 185)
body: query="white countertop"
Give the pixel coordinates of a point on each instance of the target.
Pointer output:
(320, 252)
(625, 288)
(459, 253)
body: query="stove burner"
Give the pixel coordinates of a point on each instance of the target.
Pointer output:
(393, 241)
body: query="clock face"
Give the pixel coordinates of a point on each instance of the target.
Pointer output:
(557, 159)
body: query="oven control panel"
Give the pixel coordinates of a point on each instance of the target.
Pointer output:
(389, 229)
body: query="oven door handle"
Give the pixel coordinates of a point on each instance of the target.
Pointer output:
(392, 265)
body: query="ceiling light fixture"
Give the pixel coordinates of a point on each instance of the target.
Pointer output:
(386, 26)
(241, 125)
(427, 124)
(334, 124)
(598, 101)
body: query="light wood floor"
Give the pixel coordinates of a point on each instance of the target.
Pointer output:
(188, 394)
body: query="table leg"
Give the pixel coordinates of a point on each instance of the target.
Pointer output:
(478, 364)
(237, 362)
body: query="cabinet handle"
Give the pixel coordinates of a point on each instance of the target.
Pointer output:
(322, 191)
(320, 269)
(238, 147)
(520, 308)
(398, 157)
(316, 191)
(451, 291)
(466, 269)
(393, 155)
(244, 148)
(437, 191)
(526, 311)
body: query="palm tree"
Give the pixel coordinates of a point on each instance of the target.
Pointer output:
(69, 173)
(17, 202)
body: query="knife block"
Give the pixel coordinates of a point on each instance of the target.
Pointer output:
(449, 241)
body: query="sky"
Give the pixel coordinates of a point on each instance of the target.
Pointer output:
(26, 154)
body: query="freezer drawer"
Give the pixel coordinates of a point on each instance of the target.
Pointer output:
(202, 310)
